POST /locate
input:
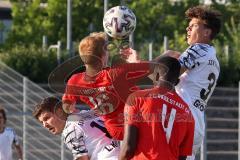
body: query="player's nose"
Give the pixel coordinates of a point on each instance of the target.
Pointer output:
(45, 124)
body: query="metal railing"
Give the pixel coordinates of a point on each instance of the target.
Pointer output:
(18, 95)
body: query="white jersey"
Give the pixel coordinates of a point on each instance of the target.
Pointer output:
(198, 82)
(88, 136)
(7, 139)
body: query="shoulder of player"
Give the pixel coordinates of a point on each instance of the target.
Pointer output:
(138, 97)
(71, 127)
(178, 102)
(9, 130)
(75, 77)
(201, 49)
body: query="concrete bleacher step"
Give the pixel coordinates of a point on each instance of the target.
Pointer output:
(223, 91)
(43, 144)
(223, 133)
(44, 154)
(222, 112)
(223, 101)
(222, 108)
(222, 155)
(222, 124)
(226, 145)
(230, 123)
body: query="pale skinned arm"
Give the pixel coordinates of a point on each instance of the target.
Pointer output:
(132, 57)
(19, 151)
(83, 158)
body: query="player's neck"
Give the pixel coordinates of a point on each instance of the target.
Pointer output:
(92, 70)
(167, 85)
(204, 41)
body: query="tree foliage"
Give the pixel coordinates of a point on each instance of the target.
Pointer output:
(32, 62)
(155, 19)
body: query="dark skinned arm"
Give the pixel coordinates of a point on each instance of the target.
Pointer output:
(129, 142)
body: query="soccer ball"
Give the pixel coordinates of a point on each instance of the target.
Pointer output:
(119, 22)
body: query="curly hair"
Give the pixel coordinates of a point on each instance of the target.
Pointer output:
(210, 17)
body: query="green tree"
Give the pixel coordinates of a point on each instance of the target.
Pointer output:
(155, 19)
(30, 61)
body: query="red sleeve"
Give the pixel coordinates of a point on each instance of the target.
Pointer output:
(187, 144)
(132, 115)
(130, 71)
(69, 96)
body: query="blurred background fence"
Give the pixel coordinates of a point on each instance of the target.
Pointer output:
(18, 97)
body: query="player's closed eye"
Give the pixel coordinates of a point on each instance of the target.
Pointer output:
(192, 25)
(46, 118)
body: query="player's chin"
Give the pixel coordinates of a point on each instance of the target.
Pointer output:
(55, 132)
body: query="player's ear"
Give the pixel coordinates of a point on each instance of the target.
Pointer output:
(207, 32)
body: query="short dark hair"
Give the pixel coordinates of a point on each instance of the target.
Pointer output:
(210, 17)
(173, 66)
(49, 104)
(4, 114)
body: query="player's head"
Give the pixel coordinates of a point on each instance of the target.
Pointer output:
(50, 113)
(204, 24)
(91, 49)
(172, 72)
(3, 118)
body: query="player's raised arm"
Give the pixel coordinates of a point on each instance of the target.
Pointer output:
(135, 71)
(17, 147)
(131, 131)
(129, 142)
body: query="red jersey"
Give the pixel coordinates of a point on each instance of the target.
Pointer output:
(107, 92)
(165, 124)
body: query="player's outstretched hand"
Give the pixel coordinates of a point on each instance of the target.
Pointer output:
(131, 55)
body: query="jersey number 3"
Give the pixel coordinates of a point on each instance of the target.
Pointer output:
(169, 127)
(203, 93)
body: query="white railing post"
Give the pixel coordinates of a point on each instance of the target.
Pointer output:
(203, 150)
(239, 120)
(62, 149)
(105, 6)
(69, 28)
(24, 116)
(150, 49)
(165, 43)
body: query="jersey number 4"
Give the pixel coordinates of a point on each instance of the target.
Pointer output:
(171, 118)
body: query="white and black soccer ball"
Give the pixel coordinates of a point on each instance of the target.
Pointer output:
(119, 22)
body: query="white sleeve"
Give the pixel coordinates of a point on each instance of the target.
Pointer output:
(193, 56)
(75, 141)
(15, 138)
